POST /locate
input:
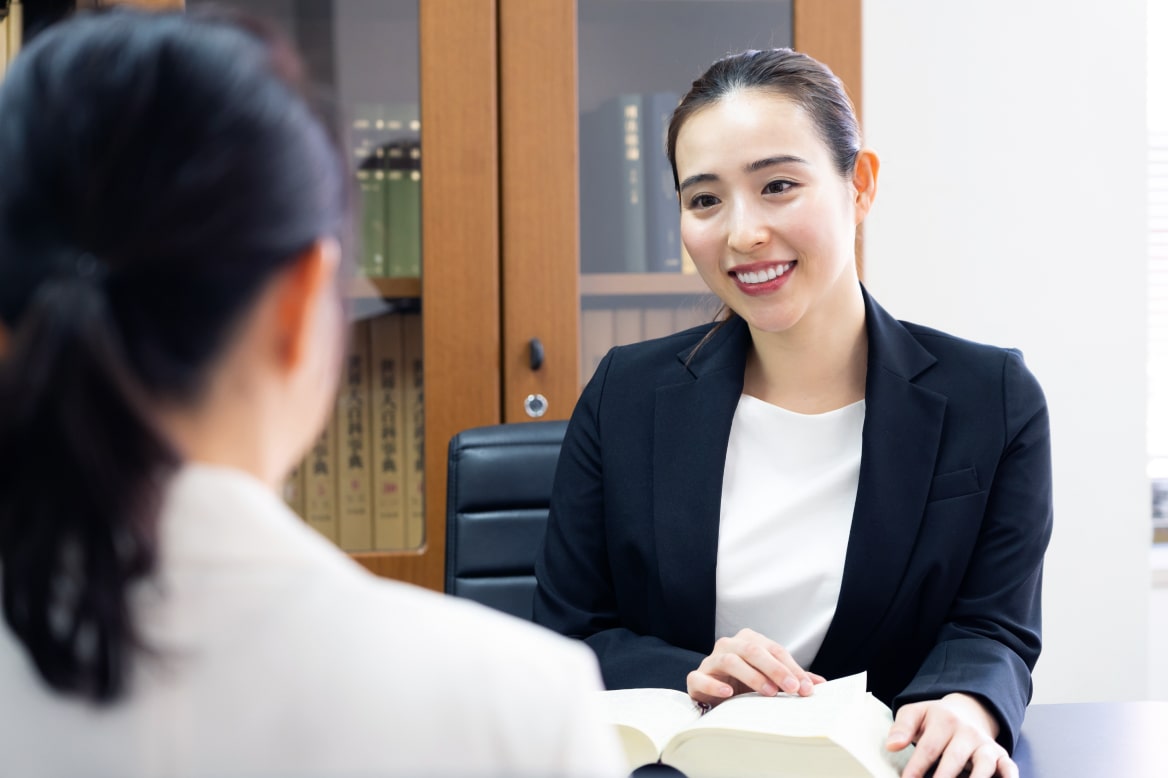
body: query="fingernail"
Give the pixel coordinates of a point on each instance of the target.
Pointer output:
(790, 685)
(805, 687)
(768, 689)
(725, 691)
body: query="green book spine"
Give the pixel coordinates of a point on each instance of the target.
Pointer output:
(404, 210)
(368, 141)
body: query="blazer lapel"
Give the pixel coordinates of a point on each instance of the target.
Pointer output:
(692, 424)
(902, 433)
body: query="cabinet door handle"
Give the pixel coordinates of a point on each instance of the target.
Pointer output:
(536, 353)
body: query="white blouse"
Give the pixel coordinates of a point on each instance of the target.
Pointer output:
(788, 494)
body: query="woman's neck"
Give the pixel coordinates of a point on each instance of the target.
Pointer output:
(819, 365)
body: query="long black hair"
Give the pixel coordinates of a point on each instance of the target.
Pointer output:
(155, 171)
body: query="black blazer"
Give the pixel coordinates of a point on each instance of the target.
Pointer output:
(942, 578)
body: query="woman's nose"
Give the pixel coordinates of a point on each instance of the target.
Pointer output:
(748, 229)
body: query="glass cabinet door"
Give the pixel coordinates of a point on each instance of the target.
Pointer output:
(400, 76)
(636, 60)
(591, 255)
(361, 485)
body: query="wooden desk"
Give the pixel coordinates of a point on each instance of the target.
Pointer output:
(1075, 740)
(1094, 740)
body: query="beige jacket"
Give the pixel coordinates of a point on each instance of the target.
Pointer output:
(281, 657)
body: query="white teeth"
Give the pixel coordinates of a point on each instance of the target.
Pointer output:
(771, 273)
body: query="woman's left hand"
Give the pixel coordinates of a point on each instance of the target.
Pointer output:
(954, 732)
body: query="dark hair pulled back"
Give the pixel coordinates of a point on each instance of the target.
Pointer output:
(157, 170)
(795, 76)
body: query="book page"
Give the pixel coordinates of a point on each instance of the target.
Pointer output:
(790, 714)
(646, 718)
(838, 731)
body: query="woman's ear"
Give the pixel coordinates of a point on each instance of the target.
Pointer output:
(305, 287)
(864, 175)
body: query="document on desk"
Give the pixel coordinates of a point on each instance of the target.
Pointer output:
(839, 731)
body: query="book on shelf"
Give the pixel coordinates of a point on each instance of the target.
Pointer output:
(597, 336)
(368, 140)
(15, 33)
(3, 46)
(352, 424)
(403, 204)
(628, 326)
(612, 187)
(688, 316)
(415, 430)
(386, 148)
(320, 485)
(662, 211)
(389, 421)
(659, 322)
(293, 489)
(371, 188)
(837, 732)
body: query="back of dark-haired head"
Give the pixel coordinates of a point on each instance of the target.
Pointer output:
(157, 170)
(795, 76)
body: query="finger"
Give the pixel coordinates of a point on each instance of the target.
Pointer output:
(1006, 767)
(906, 727)
(778, 664)
(706, 688)
(989, 759)
(733, 667)
(930, 746)
(954, 760)
(817, 678)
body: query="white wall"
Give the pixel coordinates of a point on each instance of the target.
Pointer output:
(1012, 210)
(1158, 627)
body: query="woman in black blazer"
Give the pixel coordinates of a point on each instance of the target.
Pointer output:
(942, 547)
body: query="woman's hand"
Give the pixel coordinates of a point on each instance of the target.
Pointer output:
(748, 662)
(955, 732)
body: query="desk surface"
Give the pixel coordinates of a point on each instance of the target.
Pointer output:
(1075, 740)
(1089, 739)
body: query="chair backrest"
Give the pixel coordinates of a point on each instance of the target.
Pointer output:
(498, 488)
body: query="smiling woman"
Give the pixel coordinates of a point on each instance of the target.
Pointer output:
(807, 488)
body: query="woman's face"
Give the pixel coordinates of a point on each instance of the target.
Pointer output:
(766, 216)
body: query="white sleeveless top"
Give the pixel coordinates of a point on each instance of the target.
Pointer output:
(788, 494)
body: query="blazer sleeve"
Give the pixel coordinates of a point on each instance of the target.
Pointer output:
(576, 588)
(992, 635)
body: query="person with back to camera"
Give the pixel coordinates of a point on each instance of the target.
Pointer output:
(171, 217)
(807, 488)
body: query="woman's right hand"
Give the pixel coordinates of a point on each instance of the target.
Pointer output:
(748, 662)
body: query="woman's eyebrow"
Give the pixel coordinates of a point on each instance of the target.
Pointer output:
(782, 159)
(753, 167)
(696, 179)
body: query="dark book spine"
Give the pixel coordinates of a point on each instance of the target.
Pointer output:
(662, 226)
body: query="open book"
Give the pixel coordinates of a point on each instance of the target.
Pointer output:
(838, 731)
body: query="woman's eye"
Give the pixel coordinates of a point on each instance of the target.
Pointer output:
(703, 201)
(778, 187)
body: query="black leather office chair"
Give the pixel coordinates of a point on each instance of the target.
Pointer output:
(498, 487)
